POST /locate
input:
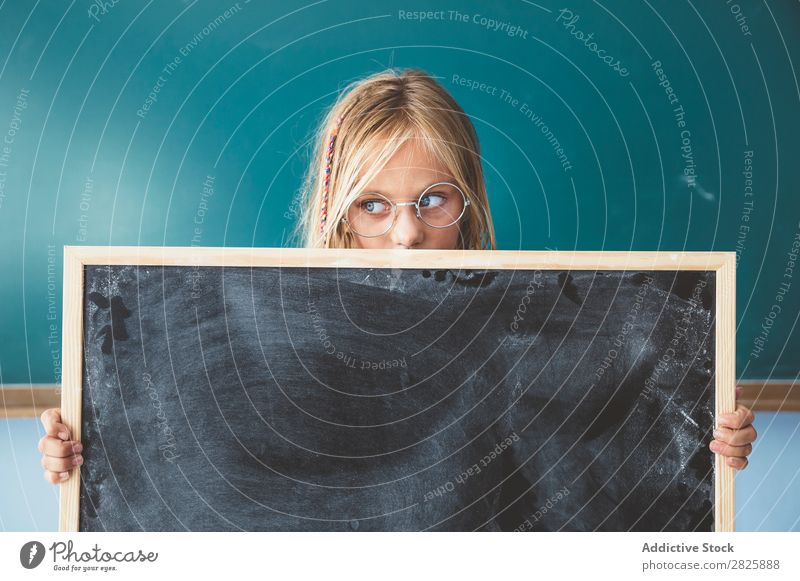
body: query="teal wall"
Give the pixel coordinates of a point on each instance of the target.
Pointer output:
(240, 105)
(79, 165)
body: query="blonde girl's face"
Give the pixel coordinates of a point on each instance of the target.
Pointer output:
(404, 177)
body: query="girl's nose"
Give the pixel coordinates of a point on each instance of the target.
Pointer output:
(408, 229)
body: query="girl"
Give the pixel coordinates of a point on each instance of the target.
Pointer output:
(401, 137)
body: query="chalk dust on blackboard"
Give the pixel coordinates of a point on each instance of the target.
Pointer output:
(514, 360)
(687, 435)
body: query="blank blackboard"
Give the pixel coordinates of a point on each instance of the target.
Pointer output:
(300, 390)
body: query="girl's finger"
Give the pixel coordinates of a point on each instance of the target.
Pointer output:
(56, 477)
(727, 450)
(738, 463)
(61, 464)
(736, 437)
(51, 420)
(739, 419)
(50, 446)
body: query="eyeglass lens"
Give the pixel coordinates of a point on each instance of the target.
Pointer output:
(372, 214)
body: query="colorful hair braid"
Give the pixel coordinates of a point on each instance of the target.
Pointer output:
(326, 183)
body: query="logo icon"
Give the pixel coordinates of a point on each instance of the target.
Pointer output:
(31, 554)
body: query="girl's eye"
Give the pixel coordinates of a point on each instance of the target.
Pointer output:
(432, 200)
(373, 206)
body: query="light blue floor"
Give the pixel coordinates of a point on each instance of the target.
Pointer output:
(27, 501)
(767, 492)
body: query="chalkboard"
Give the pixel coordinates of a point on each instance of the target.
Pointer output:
(441, 391)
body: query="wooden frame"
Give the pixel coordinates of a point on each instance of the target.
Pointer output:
(76, 257)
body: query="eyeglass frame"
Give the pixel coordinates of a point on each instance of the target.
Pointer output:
(415, 204)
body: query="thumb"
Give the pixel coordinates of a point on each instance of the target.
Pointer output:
(51, 419)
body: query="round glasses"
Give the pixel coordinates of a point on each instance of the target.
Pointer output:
(440, 205)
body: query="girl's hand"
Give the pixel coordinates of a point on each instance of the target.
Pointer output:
(735, 435)
(59, 454)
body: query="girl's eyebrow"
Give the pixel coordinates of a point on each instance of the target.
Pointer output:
(378, 191)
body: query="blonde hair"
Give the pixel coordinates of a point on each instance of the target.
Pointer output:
(378, 115)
